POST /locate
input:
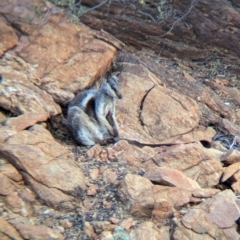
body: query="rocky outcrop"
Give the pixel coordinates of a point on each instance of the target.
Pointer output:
(186, 29)
(194, 161)
(159, 180)
(45, 164)
(146, 121)
(214, 217)
(170, 177)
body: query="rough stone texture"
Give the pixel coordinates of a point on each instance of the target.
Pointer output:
(194, 161)
(230, 170)
(236, 182)
(170, 177)
(232, 156)
(46, 60)
(143, 197)
(59, 73)
(8, 231)
(211, 217)
(200, 133)
(211, 106)
(18, 94)
(109, 176)
(6, 186)
(15, 203)
(8, 37)
(50, 68)
(223, 209)
(205, 193)
(170, 37)
(130, 153)
(182, 233)
(145, 120)
(35, 152)
(52, 197)
(133, 186)
(11, 172)
(149, 230)
(166, 114)
(40, 232)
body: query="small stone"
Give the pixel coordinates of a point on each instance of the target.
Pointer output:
(91, 192)
(104, 155)
(205, 192)
(65, 223)
(231, 156)
(88, 203)
(114, 220)
(229, 171)
(60, 229)
(102, 169)
(94, 151)
(195, 200)
(171, 177)
(94, 174)
(128, 223)
(109, 176)
(101, 226)
(107, 204)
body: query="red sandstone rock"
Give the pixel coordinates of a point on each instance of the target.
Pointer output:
(193, 161)
(170, 177)
(9, 37)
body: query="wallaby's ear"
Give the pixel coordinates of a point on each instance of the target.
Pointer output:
(104, 80)
(113, 78)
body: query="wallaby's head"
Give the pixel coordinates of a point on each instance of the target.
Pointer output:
(113, 88)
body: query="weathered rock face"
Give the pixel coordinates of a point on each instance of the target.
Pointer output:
(7, 231)
(166, 114)
(170, 177)
(194, 161)
(9, 38)
(214, 217)
(151, 113)
(159, 27)
(143, 197)
(59, 57)
(53, 189)
(149, 230)
(43, 162)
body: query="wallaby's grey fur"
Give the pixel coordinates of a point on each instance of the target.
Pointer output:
(91, 114)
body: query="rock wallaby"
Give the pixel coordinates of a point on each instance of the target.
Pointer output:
(91, 114)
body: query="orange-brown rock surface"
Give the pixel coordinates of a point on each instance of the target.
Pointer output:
(163, 179)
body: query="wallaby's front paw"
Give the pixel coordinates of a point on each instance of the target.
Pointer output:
(115, 132)
(108, 140)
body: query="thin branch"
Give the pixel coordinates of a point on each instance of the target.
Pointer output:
(109, 3)
(234, 142)
(160, 52)
(194, 2)
(98, 5)
(147, 14)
